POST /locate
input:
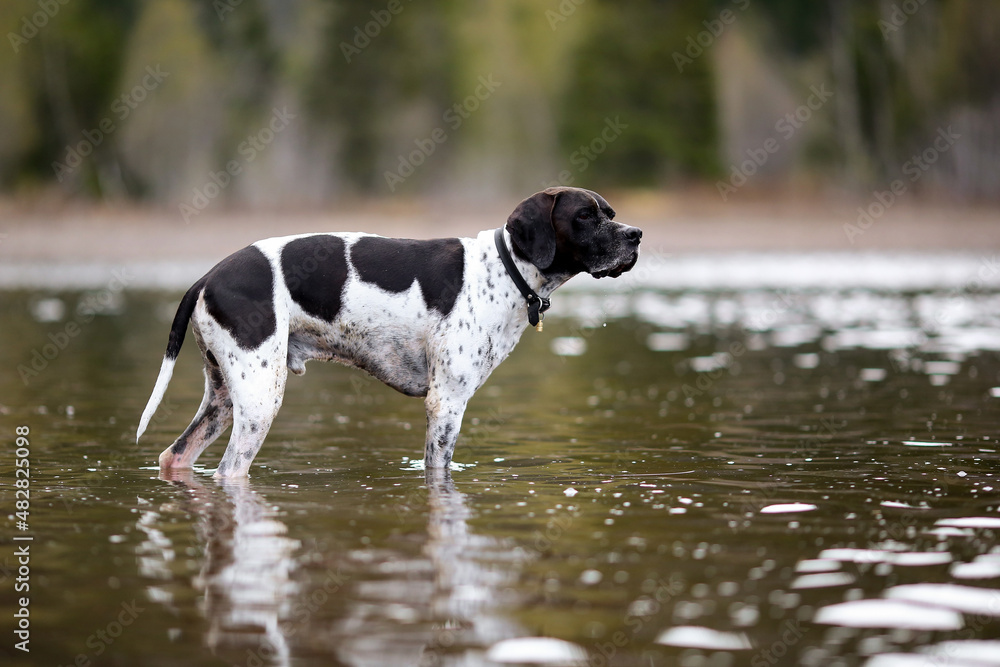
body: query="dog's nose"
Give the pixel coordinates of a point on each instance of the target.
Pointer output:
(633, 234)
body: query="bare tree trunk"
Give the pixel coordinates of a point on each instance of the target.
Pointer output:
(856, 168)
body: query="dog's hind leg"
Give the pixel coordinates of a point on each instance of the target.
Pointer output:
(213, 417)
(256, 385)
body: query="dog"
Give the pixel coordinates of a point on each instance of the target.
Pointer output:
(429, 318)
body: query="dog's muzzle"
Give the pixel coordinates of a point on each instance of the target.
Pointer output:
(630, 243)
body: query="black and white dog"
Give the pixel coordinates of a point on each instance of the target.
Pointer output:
(428, 318)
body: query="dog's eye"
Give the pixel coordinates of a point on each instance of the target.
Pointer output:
(585, 216)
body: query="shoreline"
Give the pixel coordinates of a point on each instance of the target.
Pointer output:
(671, 224)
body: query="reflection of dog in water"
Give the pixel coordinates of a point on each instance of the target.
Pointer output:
(428, 318)
(266, 598)
(246, 577)
(459, 606)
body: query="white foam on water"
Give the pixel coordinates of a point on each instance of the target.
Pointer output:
(874, 339)
(903, 660)
(980, 652)
(786, 508)
(873, 374)
(537, 650)
(921, 558)
(663, 341)
(847, 300)
(945, 532)
(817, 565)
(48, 310)
(888, 614)
(823, 580)
(568, 346)
(904, 271)
(901, 558)
(977, 569)
(854, 555)
(970, 522)
(806, 360)
(709, 364)
(942, 367)
(692, 636)
(966, 599)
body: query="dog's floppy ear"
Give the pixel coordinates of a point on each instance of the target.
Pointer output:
(531, 229)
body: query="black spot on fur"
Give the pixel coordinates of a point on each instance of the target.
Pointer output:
(212, 366)
(239, 294)
(393, 264)
(315, 270)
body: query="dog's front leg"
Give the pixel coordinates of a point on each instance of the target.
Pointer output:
(444, 420)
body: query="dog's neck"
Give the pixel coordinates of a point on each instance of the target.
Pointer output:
(542, 282)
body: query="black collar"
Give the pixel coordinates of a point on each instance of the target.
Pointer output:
(536, 304)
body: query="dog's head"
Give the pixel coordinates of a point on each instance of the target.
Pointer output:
(570, 230)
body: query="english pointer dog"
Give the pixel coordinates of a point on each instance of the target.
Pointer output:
(429, 318)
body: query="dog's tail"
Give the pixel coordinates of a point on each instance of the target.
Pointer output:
(177, 331)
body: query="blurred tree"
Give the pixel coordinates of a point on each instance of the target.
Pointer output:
(73, 60)
(17, 101)
(379, 78)
(625, 72)
(168, 129)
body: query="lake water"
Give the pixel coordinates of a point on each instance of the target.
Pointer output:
(730, 460)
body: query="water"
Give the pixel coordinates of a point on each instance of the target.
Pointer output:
(752, 470)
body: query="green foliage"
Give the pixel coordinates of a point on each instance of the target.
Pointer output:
(626, 68)
(366, 80)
